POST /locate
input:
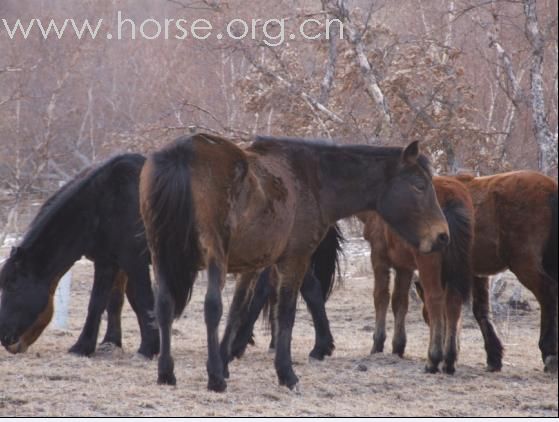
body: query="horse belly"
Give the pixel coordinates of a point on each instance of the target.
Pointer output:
(486, 257)
(258, 245)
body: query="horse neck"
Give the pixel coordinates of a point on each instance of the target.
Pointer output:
(355, 186)
(57, 245)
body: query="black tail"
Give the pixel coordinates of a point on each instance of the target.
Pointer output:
(324, 265)
(456, 267)
(168, 213)
(549, 261)
(325, 260)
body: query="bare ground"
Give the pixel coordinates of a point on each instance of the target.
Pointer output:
(47, 381)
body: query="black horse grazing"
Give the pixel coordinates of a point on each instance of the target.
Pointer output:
(315, 290)
(96, 215)
(206, 203)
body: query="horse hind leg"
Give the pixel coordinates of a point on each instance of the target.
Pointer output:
(400, 303)
(312, 294)
(240, 322)
(164, 310)
(290, 279)
(531, 275)
(261, 295)
(481, 308)
(213, 309)
(381, 299)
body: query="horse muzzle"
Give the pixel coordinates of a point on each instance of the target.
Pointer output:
(13, 344)
(441, 241)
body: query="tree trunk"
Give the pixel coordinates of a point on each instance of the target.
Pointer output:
(546, 140)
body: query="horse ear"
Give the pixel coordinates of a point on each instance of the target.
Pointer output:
(411, 153)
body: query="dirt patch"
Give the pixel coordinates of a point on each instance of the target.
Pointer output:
(46, 381)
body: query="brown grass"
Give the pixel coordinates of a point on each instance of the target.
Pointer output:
(49, 382)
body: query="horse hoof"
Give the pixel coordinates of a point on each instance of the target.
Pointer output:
(81, 350)
(295, 389)
(149, 354)
(429, 369)
(493, 368)
(166, 379)
(217, 385)
(377, 349)
(109, 349)
(449, 370)
(316, 356)
(550, 365)
(315, 361)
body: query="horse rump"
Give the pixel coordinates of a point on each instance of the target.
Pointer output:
(168, 213)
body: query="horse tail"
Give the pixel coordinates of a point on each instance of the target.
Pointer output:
(549, 260)
(325, 262)
(266, 280)
(168, 213)
(456, 263)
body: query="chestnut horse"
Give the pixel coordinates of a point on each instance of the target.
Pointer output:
(445, 280)
(516, 229)
(206, 203)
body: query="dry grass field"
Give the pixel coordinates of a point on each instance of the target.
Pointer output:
(47, 381)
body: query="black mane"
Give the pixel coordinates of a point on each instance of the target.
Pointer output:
(329, 145)
(70, 194)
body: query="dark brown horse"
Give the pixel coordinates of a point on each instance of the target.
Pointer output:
(206, 203)
(446, 278)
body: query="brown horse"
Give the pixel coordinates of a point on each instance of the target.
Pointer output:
(207, 203)
(515, 228)
(446, 277)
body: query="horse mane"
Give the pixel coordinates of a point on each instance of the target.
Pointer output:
(89, 178)
(327, 145)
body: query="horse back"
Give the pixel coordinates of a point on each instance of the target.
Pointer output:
(513, 218)
(239, 195)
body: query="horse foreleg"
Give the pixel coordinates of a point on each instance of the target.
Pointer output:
(102, 284)
(481, 308)
(400, 303)
(165, 309)
(114, 311)
(453, 312)
(140, 297)
(312, 294)
(430, 275)
(381, 296)
(290, 280)
(213, 309)
(239, 323)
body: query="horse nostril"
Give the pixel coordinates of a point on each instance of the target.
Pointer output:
(443, 239)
